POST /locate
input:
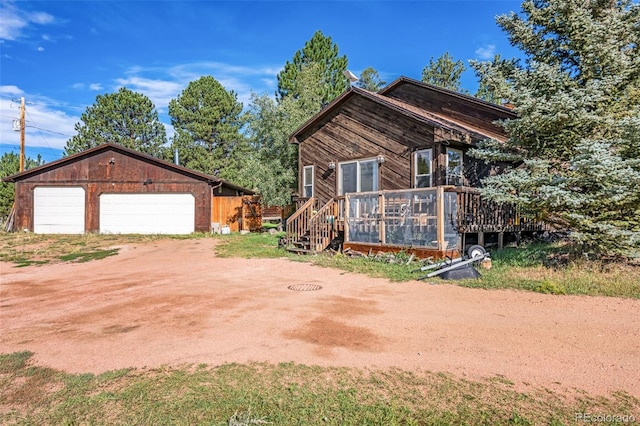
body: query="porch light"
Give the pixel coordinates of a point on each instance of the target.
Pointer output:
(332, 165)
(380, 159)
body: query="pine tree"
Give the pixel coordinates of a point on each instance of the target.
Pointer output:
(322, 51)
(126, 118)
(444, 72)
(370, 80)
(576, 143)
(207, 120)
(10, 165)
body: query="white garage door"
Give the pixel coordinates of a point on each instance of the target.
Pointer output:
(58, 210)
(147, 213)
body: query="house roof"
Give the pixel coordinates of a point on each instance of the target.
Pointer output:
(132, 153)
(467, 98)
(427, 117)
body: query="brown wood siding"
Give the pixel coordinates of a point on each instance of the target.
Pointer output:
(476, 115)
(112, 172)
(345, 136)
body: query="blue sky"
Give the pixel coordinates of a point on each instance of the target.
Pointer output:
(59, 55)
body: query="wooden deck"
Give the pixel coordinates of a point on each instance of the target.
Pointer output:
(431, 222)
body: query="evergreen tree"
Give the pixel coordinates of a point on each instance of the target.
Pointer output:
(322, 51)
(370, 80)
(10, 165)
(489, 89)
(444, 72)
(207, 120)
(126, 118)
(272, 169)
(576, 143)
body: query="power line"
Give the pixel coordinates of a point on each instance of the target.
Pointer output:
(51, 131)
(41, 103)
(41, 135)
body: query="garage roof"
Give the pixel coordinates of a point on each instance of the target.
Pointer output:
(130, 152)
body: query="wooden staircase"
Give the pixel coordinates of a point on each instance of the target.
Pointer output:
(310, 229)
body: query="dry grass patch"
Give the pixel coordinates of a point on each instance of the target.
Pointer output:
(24, 249)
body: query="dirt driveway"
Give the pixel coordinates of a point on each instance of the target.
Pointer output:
(174, 302)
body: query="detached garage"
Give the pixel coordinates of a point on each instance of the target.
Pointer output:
(112, 189)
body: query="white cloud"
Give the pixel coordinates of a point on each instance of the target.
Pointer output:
(45, 126)
(40, 49)
(10, 91)
(159, 91)
(163, 84)
(41, 18)
(15, 21)
(488, 51)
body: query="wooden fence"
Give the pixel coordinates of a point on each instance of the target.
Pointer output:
(239, 213)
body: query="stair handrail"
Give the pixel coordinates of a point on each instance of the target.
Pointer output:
(322, 226)
(297, 223)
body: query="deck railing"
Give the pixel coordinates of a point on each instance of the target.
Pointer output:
(477, 214)
(430, 218)
(410, 217)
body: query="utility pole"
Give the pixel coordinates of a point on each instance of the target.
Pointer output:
(22, 134)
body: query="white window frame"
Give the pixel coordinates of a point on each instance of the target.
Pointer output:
(306, 184)
(450, 177)
(376, 173)
(416, 175)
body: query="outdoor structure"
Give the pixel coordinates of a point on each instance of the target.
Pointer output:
(390, 171)
(113, 189)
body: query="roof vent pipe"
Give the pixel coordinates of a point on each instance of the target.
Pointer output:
(176, 158)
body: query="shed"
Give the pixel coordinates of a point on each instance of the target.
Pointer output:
(113, 189)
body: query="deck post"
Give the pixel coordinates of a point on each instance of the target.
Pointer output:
(440, 217)
(346, 219)
(381, 207)
(481, 238)
(500, 240)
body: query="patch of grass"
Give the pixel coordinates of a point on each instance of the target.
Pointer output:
(87, 256)
(532, 267)
(281, 394)
(268, 225)
(13, 362)
(26, 249)
(527, 268)
(252, 245)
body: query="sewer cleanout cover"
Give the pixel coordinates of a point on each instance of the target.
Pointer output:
(304, 287)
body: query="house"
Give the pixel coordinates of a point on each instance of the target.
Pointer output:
(113, 189)
(390, 170)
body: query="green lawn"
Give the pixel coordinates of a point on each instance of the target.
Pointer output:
(283, 394)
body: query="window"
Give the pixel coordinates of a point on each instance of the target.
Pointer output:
(454, 167)
(358, 176)
(422, 168)
(307, 181)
